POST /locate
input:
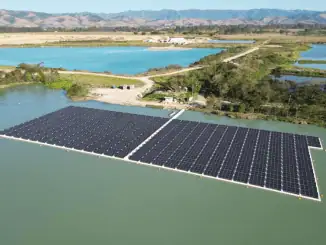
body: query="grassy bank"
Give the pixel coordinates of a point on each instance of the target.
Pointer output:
(100, 81)
(312, 61)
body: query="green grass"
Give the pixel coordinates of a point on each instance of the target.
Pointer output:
(93, 80)
(63, 84)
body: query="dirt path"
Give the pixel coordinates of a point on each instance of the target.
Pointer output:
(137, 92)
(241, 54)
(132, 97)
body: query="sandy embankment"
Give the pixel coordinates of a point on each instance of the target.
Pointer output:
(39, 38)
(127, 97)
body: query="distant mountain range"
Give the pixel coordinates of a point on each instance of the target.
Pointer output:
(162, 18)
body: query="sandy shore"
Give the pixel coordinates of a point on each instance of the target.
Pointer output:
(127, 97)
(167, 48)
(39, 38)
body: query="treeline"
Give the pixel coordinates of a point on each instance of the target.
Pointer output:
(304, 29)
(247, 88)
(244, 29)
(7, 29)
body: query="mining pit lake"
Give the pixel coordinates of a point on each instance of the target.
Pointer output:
(50, 196)
(118, 60)
(317, 52)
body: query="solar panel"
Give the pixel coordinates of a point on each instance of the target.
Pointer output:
(92, 130)
(259, 158)
(314, 142)
(269, 160)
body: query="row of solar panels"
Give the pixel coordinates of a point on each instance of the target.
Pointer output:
(274, 160)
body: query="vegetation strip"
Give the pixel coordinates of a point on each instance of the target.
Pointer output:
(246, 90)
(312, 61)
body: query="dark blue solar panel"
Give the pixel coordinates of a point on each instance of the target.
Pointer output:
(245, 161)
(202, 161)
(314, 141)
(215, 162)
(88, 129)
(273, 160)
(231, 157)
(306, 174)
(290, 170)
(257, 157)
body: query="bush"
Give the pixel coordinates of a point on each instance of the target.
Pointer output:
(242, 108)
(77, 90)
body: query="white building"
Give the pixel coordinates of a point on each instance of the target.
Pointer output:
(177, 40)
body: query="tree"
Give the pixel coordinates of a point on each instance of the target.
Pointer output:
(242, 108)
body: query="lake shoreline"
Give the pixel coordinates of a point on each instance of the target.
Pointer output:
(169, 48)
(177, 106)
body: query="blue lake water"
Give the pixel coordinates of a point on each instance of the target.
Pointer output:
(232, 41)
(118, 60)
(317, 52)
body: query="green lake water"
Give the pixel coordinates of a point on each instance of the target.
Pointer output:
(51, 197)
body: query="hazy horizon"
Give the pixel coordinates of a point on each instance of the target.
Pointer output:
(170, 9)
(101, 6)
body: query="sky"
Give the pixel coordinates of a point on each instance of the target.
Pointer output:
(111, 6)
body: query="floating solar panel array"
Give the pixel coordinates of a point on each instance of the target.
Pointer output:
(269, 160)
(92, 130)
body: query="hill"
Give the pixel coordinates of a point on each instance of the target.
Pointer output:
(161, 18)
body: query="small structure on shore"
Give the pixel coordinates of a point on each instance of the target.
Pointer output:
(168, 99)
(177, 40)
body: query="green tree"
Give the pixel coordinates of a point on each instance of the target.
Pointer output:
(242, 108)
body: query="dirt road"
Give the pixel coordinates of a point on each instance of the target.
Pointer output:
(132, 97)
